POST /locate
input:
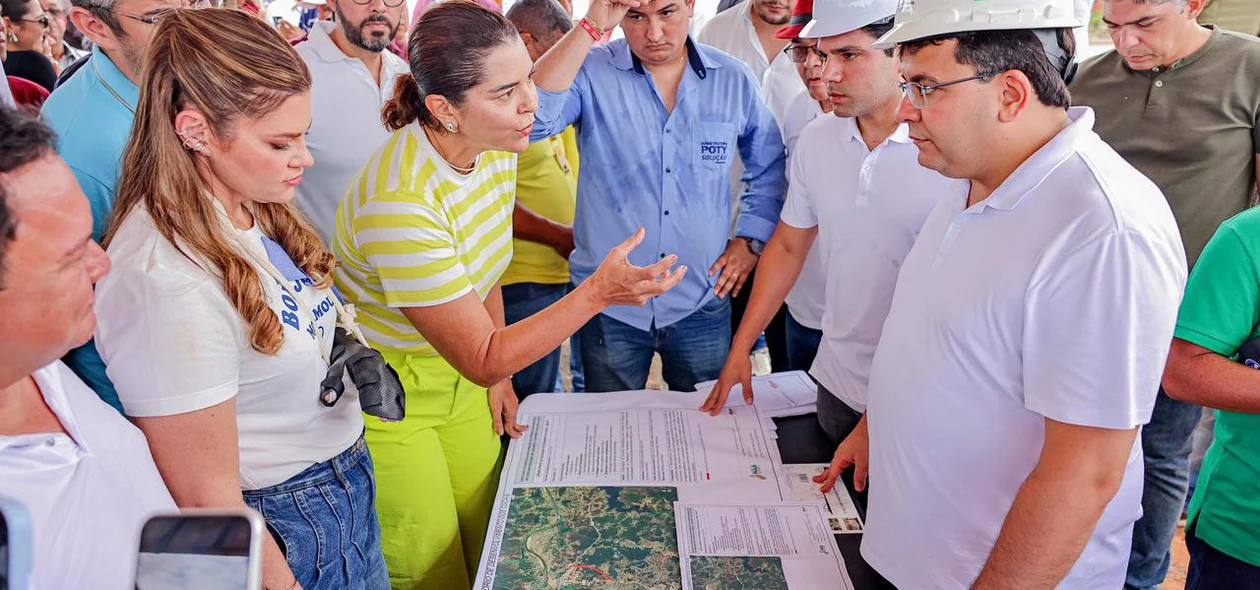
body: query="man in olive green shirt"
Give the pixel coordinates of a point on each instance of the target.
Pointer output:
(1180, 102)
(1213, 362)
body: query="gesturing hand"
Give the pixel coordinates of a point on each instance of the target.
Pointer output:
(617, 282)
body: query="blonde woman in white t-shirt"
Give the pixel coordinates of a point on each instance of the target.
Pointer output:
(216, 323)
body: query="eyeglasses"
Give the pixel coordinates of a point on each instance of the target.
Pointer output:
(389, 3)
(42, 20)
(154, 18)
(919, 93)
(799, 54)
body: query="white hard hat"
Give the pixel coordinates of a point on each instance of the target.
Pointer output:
(837, 17)
(919, 19)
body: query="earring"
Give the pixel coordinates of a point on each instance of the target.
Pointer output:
(13, 38)
(452, 127)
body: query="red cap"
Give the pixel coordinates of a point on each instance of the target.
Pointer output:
(801, 15)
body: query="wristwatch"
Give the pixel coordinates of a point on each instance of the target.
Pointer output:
(755, 245)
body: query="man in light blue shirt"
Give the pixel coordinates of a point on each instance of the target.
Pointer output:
(92, 113)
(660, 121)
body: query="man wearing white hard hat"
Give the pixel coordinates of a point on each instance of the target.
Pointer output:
(855, 185)
(1031, 319)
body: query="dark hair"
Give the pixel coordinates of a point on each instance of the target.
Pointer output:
(539, 18)
(23, 139)
(994, 52)
(878, 29)
(446, 51)
(16, 9)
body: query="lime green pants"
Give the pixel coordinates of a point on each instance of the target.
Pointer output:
(436, 476)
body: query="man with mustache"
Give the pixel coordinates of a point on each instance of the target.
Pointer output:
(1179, 101)
(660, 121)
(352, 77)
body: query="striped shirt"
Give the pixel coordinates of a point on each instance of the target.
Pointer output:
(411, 232)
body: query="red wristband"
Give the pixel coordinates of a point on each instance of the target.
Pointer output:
(593, 29)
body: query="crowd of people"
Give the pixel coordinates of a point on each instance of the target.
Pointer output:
(1017, 278)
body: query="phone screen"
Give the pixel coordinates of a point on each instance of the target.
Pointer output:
(194, 552)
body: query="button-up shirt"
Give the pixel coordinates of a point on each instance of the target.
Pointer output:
(346, 126)
(643, 166)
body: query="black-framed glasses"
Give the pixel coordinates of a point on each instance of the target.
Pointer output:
(42, 20)
(919, 93)
(389, 3)
(799, 54)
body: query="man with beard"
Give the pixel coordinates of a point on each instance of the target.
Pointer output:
(352, 76)
(92, 113)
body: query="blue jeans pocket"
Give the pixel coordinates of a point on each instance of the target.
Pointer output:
(325, 521)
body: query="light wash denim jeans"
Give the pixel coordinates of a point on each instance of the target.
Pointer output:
(324, 519)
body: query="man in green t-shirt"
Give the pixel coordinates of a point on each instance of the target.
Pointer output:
(1179, 102)
(1213, 362)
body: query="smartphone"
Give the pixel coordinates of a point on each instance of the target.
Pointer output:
(275, 21)
(17, 545)
(201, 550)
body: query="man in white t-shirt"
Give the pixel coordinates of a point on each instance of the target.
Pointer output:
(1031, 320)
(352, 77)
(854, 182)
(82, 471)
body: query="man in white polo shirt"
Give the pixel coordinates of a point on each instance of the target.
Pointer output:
(352, 77)
(82, 470)
(854, 181)
(1031, 320)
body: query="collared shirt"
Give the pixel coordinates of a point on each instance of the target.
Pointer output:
(546, 184)
(732, 31)
(70, 54)
(808, 299)
(1055, 298)
(88, 490)
(346, 127)
(92, 113)
(868, 207)
(1192, 127)
(781, 84)
(643, 166)
(1221, 312)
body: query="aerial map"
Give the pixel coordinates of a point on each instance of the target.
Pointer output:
(569, 538)
(737, 573)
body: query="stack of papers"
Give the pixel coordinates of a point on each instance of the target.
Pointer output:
(776, 395)
(640, 490)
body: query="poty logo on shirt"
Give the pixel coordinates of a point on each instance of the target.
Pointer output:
(715, 152)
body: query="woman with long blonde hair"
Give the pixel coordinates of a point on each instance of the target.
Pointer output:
(216, 323)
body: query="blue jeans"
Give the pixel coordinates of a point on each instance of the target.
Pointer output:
(618, 356)
(802, 344)
(324, 519)
(1166, 444)
(1211, 569)
(520, 301)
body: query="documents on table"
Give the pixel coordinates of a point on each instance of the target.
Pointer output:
(587, 496)
(773, 546)
(777, 395)
(842, 516)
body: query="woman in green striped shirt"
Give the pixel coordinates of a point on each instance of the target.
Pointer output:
(423, 236)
